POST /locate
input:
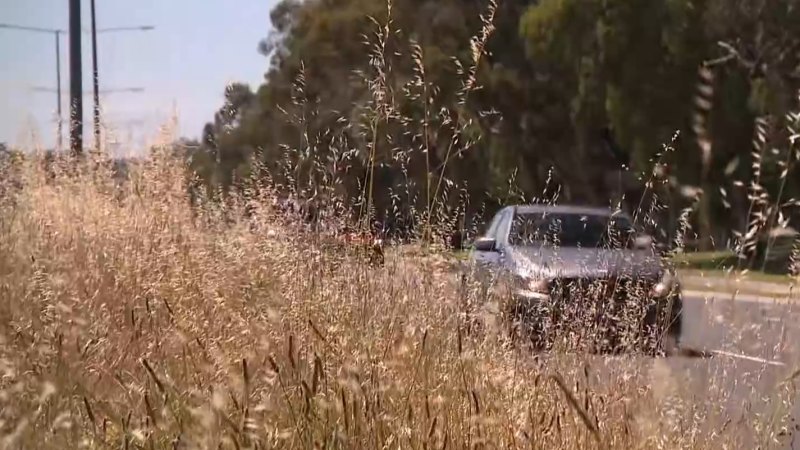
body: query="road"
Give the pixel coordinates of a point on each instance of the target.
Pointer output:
(731, 379)
(738, 354)
(750, 347)
(753, 327)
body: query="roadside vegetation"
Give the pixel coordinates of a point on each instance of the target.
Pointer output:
(178, 303)
(134, 316)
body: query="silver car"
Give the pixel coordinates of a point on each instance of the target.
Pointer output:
(582, 274)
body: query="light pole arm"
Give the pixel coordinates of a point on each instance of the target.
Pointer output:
(118, 29)
(134, 90)
(9, 26)
(137, 28)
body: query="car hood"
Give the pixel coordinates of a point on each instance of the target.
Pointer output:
(565, 262)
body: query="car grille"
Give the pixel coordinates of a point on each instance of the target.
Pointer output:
(605, 288)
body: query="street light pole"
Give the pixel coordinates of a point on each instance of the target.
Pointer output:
(76, 78)
(57, 34)
(95, 70)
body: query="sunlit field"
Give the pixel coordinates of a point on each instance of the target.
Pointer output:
(134, 316)
(176, 302)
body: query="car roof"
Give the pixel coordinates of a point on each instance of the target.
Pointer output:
(566, 209)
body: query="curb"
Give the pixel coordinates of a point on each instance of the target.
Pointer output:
(768, 298)
(730, 286)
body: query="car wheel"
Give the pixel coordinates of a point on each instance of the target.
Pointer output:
(668, 346)
(523, 328)
(663, 320)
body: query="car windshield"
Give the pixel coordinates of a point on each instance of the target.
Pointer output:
(570, 230)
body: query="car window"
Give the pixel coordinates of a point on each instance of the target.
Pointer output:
(495, 227)
(570, 230)
(492, 231)
(501, 233)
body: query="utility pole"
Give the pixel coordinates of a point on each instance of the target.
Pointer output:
(58, 87)
(95, 81)
(75, 78)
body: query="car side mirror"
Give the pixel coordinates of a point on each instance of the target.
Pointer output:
(485, 245)
(643, 242)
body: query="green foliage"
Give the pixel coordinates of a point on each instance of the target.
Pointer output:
(360, 94)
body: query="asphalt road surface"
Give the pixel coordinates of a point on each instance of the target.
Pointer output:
(738, 352)
(748, 328)
(737, 355)
(739, 365)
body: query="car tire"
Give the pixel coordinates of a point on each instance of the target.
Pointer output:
(522, 327)
(666, 324)
(668, 346)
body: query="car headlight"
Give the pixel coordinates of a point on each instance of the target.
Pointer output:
(529, 280)
(530, 283)
(528, 287)
(664, 286)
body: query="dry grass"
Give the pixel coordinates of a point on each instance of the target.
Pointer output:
(134, 316)
(131, 319)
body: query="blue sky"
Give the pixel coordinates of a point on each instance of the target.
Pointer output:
(196, 48)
